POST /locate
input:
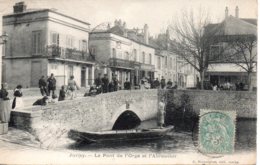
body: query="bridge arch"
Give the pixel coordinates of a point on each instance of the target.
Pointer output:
(125, 112)
(127, 120)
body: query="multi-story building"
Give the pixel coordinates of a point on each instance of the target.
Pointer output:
(226, 68)
(171, 66)
(168, 68)
(123, 52)
(187, 76)
(159, 59)
(42, 42)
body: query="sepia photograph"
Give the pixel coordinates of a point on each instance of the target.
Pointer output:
(128, 82)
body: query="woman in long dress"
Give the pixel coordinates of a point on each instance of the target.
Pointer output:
(161, 113)
(5, 108)
(18, 101)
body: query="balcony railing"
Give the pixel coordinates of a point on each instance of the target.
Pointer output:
(54, 51)
(115, 62)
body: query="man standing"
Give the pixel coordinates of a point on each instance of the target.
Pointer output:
(163, 83)
(98, 83)
(156, 83)
(115, 82)
(43, 86)
(127, 84)
(169, 84)
(105, 83)
(51, 84)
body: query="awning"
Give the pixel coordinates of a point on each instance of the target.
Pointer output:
(226, 67)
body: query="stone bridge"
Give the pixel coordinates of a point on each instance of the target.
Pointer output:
(102, 112)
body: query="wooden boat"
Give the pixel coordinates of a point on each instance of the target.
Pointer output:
(119, 135)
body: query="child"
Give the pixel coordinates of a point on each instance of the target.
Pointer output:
(92, 91)
(54, 98)
(62, 94)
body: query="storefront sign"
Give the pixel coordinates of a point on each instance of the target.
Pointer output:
(147, 67)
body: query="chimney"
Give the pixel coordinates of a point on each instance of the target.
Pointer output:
(19, 7)
(120, 22)
(237, 12)
(226, 12)
(108, 26)
(146, 37)
(115, 23)
(167, 38)
(124, 25)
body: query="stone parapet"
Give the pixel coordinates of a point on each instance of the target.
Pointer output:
(85, 113)
(243, 102)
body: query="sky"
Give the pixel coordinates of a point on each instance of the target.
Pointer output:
(156, 13)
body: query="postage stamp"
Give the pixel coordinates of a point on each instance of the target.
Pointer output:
(217, 131)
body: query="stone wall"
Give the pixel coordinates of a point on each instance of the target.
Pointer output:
(243, 102)
(85, 114)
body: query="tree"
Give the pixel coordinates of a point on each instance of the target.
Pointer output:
(193, 38)
(241, 50)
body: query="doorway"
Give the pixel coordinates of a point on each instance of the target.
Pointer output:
(83, 77)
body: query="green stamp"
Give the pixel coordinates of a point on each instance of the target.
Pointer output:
(217, 131)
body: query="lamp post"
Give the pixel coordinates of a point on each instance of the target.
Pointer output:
(3, 40)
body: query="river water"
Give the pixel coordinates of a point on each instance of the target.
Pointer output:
(183, 139)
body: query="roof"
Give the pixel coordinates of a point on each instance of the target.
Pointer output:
(100, 32)
(235, 26)
(117, 30)
(130, 34)
(250, 20)
(31, 11)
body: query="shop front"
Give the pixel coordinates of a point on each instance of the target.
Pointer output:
(220, 74)
(147, 71)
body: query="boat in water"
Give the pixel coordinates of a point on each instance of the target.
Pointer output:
(119, 135)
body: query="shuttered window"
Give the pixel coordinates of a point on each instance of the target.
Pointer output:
(36, 42)
(54, 38)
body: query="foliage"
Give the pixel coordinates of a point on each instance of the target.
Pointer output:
(179, 112)
(193, 40)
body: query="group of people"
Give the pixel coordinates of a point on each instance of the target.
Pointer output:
(102, 84)
(228, 86)
(48, 89)
(5, 108)
(146, 83)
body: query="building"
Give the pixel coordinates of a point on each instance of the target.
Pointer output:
(123, 52)
(44, 41)
(167, 65)
(171, 66)
(224, 68)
